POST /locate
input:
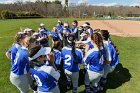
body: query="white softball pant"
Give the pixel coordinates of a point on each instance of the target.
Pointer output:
(20, 81)
(108, 69)
(93, 77)
(74, 77)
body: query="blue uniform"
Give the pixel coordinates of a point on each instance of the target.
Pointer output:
(60, 28)
(57, 55)
(75, 30)
(55, 36)
(90, 30)
(68, 59)
(90, 45)
(46, 78)
(14, 50)
(111, 54)
(67, 30)
(94, 60)
(112, 57)
(20, 65)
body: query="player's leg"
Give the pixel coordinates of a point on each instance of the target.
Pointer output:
(21, 82)
(68, 75)
(75, 77)
(55, 90)
(95, 77)
(107, 69)
(87, 82)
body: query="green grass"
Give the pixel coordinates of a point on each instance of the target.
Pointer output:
(125, 79)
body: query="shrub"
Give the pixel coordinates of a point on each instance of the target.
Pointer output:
(8, 14)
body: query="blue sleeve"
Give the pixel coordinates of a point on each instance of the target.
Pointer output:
(32, 71)
(25, 63)
(57, 58)
(88, 58)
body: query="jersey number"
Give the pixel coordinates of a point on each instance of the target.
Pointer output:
(101, 61)
(67, 61)
(39, 83)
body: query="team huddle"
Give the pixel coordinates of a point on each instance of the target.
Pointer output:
(39, 58)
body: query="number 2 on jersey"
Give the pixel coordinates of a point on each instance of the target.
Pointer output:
(67, 61)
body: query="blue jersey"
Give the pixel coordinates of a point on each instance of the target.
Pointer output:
(90, 31)
(66, 30)
(45, 35)
(111, 54)
(90, 45)
(60, 28)
(94, 60)
(21, 66)
(14, 50)
(46, 77)
(57, 55)
(55, 36)
(68, 59)
(75, 30)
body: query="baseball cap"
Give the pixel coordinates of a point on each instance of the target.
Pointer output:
(65, 24)
(83, 34)
(27, 30)
(41, 24)
(42, 51)
(85, 25)
(59, 21)
(35, 34)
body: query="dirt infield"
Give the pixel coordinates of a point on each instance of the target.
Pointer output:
(124, 28)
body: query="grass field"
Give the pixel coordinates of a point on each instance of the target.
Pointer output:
(125, 79)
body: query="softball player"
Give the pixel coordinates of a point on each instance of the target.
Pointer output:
(72, 57)
(42, 27)
(60, 26)
(55, 34)
(11, 53)
(75, 29)
(94, 60)
(111, 57)
(88, 28)
(45, 75)
(57, 54)
(66, 32)
(85, 40)
(20, 68)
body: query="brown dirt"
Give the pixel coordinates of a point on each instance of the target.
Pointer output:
(124, 28)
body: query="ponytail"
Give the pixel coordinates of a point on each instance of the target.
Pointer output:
(73, 53)
(97, 38)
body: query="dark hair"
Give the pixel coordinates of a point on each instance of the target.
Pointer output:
(105, 34)
(75, 21)
(87, 23)
(71, 38)
(44, 42)
(56, 44)
(32, 51)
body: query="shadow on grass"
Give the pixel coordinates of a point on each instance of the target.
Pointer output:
(118, 77)
(115, 79)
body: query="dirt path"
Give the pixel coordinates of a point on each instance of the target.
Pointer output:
(117, 27)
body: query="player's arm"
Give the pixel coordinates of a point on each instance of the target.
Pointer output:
(8, 55)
